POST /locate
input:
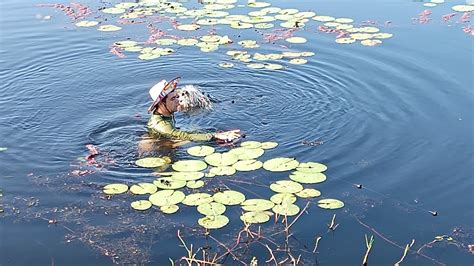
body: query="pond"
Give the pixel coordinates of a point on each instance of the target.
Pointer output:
(379, 92)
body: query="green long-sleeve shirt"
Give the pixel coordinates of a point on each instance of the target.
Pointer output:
(163, 126)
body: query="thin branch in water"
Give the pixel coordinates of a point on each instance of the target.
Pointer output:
(368, 244)
(332, 226)
(316, 244)
(407, 248)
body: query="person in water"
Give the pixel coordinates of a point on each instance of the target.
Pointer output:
(169, 99)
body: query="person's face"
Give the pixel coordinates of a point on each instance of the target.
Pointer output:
(172, 102)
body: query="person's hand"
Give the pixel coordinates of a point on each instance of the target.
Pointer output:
(227, 136)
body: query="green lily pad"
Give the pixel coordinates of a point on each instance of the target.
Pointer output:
(197, 199)
(255, 217)
(187, 176)
(245, 153)
(283, 198)
(109, 28)
(286, 186)
(113, 189)
(150, 162)
(87, 23)
(221, 159)
(268, 145)
(273, 66)
(169, 183)
(143, 188)
(211, 209)
(311, 167)
(324, 18)
(330, 204)
(189, 166)
(226, 64)
(298, 61)
(463, 8)
(222, 170)
(113, 10)
(229, 197)
(165, 41)
(286, 209)
(307, 178)
(169, 209)
(188, 27)
(257, 205)
(193, 184)
(141, 205)
(308, 193)
(251, 144)
(126, 43)
(280, 164)
(247, 165)
(166, 197)
(188, 42)
(264, 26)
(296, 40)
(213, 222)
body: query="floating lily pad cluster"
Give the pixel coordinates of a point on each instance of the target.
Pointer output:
(165, 192)
(187, 20)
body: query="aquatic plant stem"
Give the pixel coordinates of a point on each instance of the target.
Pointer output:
(407, 248)
(368, 244)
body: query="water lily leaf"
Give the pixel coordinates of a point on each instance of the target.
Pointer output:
(331, 24)
(308, 193)
(298, 61)
(187, 176)
(344, 26)
(247, 165)
(382, 35)
(151, 162)
(307, 54)
(292, 24)
(188, 27)
(193, 184)
(197, 199)
(369, 30)
(257, 205)
(133, 49)
(251, 144)
(169, 183)
(255, 217)
(271, 10)
(143, 188)
(344, 20)
(296, 40)
(126, 5)
(209, 175)
(263, 26)
(229, 197)
(126, 43)
(268, 145)
(148, 56)
(345, 40)
(360, 36)
(169, 209)
(112, 189)
(217, 14)
(330, 204)
(370, 42)
(210, 38)
(188, 42)
(166, 197)
(3, 149)
(280, 164)
(286, 186)
(286, 209)
(307, 178)
(221, 159)
(113, 10)
(189, 166)
(323, 18)
(235, 17)
(226, 64)
(305, 14)
(141, 205)
(211, 209)
(109, 28)
(273, 66)
(166, 41)
(222, 170)
(463, 8)
(244, 153)
(311, 167)
(283, 198)
(258, 4)
(240, 25)
(256, 66)
(87, 23)
(213, 222)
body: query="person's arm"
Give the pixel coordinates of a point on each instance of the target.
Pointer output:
(166, 129)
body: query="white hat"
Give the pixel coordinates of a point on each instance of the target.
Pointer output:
(157, 90)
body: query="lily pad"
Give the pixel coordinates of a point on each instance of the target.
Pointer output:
(258, 4)
(169, 183)
(283, 198)
(256, 65)
(169, 209)
(213, 222)
(311, 167)
(193, 184)
(247, 165)
(286, 186)
(221, 159)
(197, 199)
(323, 18)
(188, 27)
(382, 35)
(240, 25)
(113, 189)
(280, 164)
(255, 217)
(189, 166)
(345, 40)
(143, 188)
(463, 8)
(298, 61)
(151, 162)
(222, 170)
(256, 205)
(108, 28)
(263, 26)
(148, 56)
(370, 42)
(244, 153)
(141, 205)
(211, 209)
(166, 41)
(361, 36)
(268, 145)
(308, 193)
(296, 40)
(166, 197)
(308, 178)
(188, 42)
(344, 20)
(87, 23)
(286, 209)
(229, 197)
(187, 176)
(274, 66)
(330, 204)
(113, 10)
(226, 64)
